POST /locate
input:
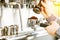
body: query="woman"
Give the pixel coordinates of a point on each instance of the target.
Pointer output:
(47, 12)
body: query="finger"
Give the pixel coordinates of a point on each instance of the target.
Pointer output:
(46, 1)
(43, 4)
(42, 9)
(43, 12)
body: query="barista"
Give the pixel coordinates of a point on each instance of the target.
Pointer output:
(48, 13)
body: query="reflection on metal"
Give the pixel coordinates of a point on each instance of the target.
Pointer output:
(29, 3)
(12, 30)
(9, 30)
(6, 2)
(1, 12)
(32, 22)
(19, 7)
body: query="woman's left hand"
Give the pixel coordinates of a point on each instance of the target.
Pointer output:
(52, 28)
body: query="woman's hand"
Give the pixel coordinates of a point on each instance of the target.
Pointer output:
(52, 28)
(47, 8)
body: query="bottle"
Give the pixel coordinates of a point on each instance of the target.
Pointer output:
(32, 21)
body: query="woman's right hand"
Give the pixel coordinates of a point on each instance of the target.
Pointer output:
(47, 8)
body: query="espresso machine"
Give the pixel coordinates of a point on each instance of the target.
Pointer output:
(8, 17)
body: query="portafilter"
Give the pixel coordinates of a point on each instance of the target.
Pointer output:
(37, 8)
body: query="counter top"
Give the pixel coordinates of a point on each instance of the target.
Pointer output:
(41, 32)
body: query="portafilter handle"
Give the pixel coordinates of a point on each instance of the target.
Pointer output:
(37, 8)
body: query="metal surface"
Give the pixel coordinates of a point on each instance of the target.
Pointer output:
(1, 12)
(19, 7)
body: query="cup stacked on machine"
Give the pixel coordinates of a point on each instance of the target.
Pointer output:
(9, 30)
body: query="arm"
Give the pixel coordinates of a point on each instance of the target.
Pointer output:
(54, 28)
(58, 31)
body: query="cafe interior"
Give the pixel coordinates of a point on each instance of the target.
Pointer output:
(22, 20)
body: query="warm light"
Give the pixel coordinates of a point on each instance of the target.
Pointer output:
(58, 0)
(57, 3)
(57, 7)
